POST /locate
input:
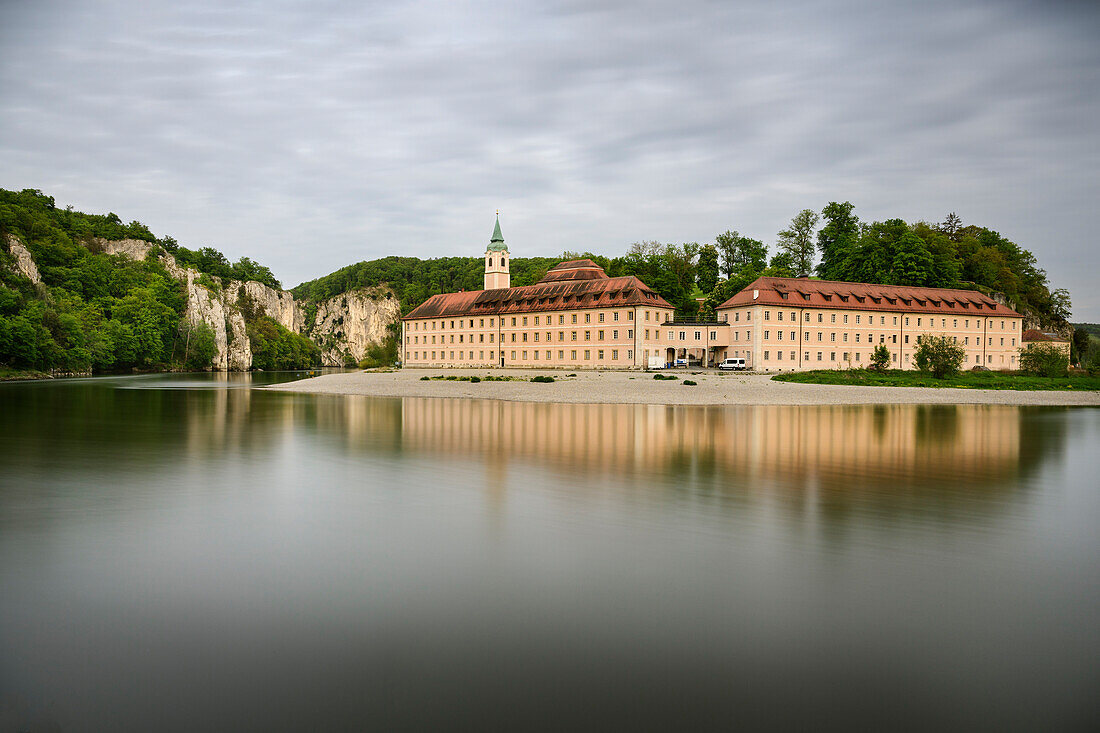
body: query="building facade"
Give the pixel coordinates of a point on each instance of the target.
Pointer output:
(576, 317)
(796, 324)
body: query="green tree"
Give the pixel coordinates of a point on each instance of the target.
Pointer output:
(880, 358)
(912, 261)
(837, 238)
(782, 265)
(1045, 360)
(939, 355)
(707, 268)
(798, 241)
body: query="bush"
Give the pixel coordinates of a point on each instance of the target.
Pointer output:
(475, 380)
(1045, 360)
(939, 355)
(541, 379)
(880, 358)
(425, 379)
(664, 377)
(690, 383)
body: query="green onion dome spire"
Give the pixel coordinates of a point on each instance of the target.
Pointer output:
(496, 244)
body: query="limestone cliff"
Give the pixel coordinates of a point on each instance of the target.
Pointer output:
(345, 324)
(24, 263)
(351, 322)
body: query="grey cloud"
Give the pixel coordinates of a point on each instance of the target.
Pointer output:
(311, 135)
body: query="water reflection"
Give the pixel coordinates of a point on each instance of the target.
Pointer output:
(259, 558)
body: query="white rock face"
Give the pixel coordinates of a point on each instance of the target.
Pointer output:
(24, 263)
(352, 322)
(276, 304)
(347, 323)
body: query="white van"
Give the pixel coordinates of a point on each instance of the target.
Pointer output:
(732, 364)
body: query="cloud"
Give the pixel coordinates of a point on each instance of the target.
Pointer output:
(312, 135)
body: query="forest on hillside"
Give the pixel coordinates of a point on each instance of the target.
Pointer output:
(100, 313)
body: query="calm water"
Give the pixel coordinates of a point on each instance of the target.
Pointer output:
(188, 553)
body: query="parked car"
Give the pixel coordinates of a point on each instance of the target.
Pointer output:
(732, 364)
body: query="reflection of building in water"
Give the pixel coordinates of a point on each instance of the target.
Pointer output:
(885, 444)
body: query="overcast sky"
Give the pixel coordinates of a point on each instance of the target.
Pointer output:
(311, 135)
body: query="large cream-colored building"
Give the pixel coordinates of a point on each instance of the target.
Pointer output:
(794, 324)
(577, 317)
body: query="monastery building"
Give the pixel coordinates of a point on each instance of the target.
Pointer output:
(577, 317)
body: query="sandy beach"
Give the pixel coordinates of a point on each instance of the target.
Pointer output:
(610, 387)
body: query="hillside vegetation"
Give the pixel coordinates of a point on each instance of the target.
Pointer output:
(96, 312)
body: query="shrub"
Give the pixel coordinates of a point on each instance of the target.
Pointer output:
(542, 379)
(425, 378)
(939, 355)
(664, 377)
(1045, 360)
(690, 383)
(880, 358)
(475, 380)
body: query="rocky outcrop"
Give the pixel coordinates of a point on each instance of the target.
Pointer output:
(352, 322)
(345, 324)
(24, 263)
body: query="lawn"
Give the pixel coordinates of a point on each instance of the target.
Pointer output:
(965, 380)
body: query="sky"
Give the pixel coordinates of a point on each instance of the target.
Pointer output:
(312, 135)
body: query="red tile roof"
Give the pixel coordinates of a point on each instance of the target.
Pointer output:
(1034, 334)
(574, 270)
(571, 294)
(806, 293)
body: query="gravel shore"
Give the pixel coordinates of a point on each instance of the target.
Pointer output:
(640, 388)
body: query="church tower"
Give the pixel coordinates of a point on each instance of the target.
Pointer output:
(496, 261)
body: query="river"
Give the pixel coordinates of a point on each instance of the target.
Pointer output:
(189, 552)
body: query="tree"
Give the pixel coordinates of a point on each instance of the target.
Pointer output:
(837, 238)
(951, 225)
(797, 241)
(1044, 360)
(726, 244)
(1060, 306)
(880, 358)
(707, 268)
(912, 261)
(939, 355)
(782, 265)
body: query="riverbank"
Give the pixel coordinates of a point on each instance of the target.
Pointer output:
(641, 388)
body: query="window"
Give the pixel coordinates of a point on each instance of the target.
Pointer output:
(713, 335)
(513, 323)
(587, 317)
(698, 335)
(819, 356)
(832, 336)
(513, 356)
(615, 315)
(845, 317)
(832, 356)
(767, 334)
(615, 334)
(767, 315)
(561, 354)
(587, 335)
(629, 333)
(779, 355)
(779, 335)
(599, 355)
(778, 316)
(587, 354)
(820, 317)
(601, 316)
(907, 320)
(832, 318)
(906, 338)
(574, 336)
(574, 318)
(766, 355)
(513, 337)
(537, 320)
(683, 336)
(525, 354)
(574, 354)
(819, 335)
(857, 318)
(845, 356)
(614, 354)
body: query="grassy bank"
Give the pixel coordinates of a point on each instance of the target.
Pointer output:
(965, 380)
